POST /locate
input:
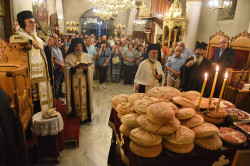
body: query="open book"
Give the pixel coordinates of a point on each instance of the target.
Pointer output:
(83, 64)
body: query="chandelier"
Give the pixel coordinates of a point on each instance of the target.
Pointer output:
(109, 8)
(220, 4)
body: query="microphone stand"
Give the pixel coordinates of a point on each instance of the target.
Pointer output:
(233, 98)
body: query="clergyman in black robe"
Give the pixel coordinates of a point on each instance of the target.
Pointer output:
(193, 72)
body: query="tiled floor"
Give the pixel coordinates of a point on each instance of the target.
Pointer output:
(95, 137)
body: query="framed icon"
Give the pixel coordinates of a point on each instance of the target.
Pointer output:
(72, 23)
(77, 23)
(67, 23)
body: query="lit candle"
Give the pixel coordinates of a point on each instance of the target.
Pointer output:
(202, 90)
(222, 90)
(214, 83)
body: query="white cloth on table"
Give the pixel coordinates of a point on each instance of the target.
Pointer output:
(44, 127)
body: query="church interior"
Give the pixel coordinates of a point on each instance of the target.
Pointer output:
(124, 82)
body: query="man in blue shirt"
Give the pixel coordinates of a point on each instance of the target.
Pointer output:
(186, 53)
(173, 66)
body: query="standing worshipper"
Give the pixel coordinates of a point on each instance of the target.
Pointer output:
(193, 71)
(224, 58)
(78, 79)
(173, 66)
(104, 54)
(48, 50)
(149, 73)
(38, 68)
(59, 65)
(129, 56)
(186, 53)
(116, 66)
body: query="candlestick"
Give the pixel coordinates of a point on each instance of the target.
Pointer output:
(222, 90)
(202, 90)
(214, 83)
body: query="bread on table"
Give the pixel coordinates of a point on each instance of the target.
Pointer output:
(136, 96)
(183, 102)
(210, 143)
(194, 121)
(125, 130)
(164, 92)
(160, 113)
(176, 148)
(130, 120)
(185, 113)
(145, 138)
(145, 151)
(125, 108)
(182, 136)
(205, 130)
(155, 128)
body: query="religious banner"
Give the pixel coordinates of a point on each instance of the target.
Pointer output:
(2, 33)
(2, 8)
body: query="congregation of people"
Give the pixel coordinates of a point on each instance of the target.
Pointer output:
(115, 59)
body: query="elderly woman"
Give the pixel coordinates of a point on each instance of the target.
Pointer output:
(104, 54)
(129, 56)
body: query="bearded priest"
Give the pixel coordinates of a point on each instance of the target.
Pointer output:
(78, 73)
(193, 71)
(39, 78)
(149, 73)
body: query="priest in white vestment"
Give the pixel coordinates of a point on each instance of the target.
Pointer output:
(38, 68)
(78, 73)
(149, 73)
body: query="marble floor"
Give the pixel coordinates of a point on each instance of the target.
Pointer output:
(95, 137)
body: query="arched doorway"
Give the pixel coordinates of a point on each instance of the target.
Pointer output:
(91, 24)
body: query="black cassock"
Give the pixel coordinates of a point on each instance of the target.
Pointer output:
(192, 78)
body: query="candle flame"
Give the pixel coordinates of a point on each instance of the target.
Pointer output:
(226, 75)
(217, 68)
(205, 75)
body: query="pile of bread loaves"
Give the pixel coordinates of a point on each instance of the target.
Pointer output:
(167, 118)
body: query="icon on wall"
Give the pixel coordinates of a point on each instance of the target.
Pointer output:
(67, 23)
(77, 23)
(123, 26)
(72, 23)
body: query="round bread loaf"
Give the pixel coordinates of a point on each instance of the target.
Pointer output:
(130, 120)
(214, 120)
(185, 113)
(191, 95)
(204, 103)
(125, 108)
(141, 105)
(205, 130)
(220, 113)
(173, 106)
(164, 92)
(182, 136)
(145, 151)
(145, 138)
(160, 113)
(176, 148)
(125, 130)
(152, 127)
(210, 143)
(185, 103)
(194, 121)
(119, 99)
(120, 115)
(136, 96)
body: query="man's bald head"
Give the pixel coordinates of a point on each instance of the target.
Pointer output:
(223, 43)
(181, 44)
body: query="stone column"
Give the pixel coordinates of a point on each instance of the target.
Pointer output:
(131, 19)
(193, 9)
